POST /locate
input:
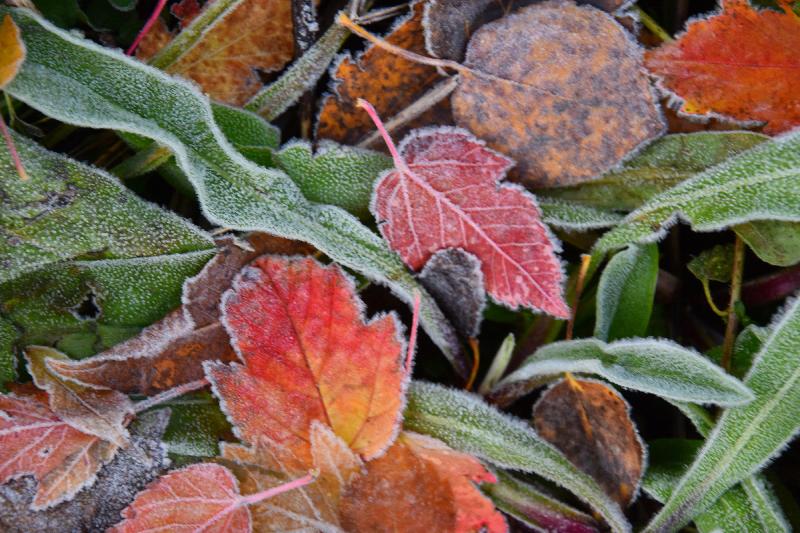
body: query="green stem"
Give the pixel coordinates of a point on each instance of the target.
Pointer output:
(650, 23)
(147, 160)
(736, 291)
(193, 33)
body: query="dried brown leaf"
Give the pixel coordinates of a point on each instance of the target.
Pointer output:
(590, 423)
(562, 91)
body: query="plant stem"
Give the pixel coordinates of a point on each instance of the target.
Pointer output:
(586, 260)
(653, 26)
(736, 290)
(412, 338)
(13, 150)
(274, 491)
(170, 394)
(146, 28)
(476, 362)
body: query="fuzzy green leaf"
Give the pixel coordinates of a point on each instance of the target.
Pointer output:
(762, 183)
(79, 82)
(747, 438)
(573, 216)
(625, 293)
(659, 367)
(776, 243)
(466, 423)
(714, 264)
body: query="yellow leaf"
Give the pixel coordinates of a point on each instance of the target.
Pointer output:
(12, 51)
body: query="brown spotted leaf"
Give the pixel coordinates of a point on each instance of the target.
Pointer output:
(102, 413)
(35, 441)
(171, 351)
(388, 81)
(256, 35)
(561, 89)
(590, 423)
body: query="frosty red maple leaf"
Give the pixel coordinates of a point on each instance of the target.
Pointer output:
(444, 193)
(199, 498)
(314, 367)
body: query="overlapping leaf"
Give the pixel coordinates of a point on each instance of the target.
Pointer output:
(35, 441)
(390, 82)
(741, 62)
(561, 89)
(12, 50)
(308, 355)
(444, 193)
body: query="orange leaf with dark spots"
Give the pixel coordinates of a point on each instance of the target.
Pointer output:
(420, 485)
(35, 441)
(308, 356)
(591, 424)
(390, 82)
(741, 63)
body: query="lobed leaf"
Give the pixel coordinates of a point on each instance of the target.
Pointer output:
(91, 86)
(659, 367)
(467, 424)
(745, 439)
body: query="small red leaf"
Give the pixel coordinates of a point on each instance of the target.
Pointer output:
(444, 193)
(35, 441)
(201, 498)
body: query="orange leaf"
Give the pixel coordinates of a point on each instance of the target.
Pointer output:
(314, 507)
(256, 35)
(34, 441)
(12, 51)
(308, 355)
(590, 423)
(420, 485)
(741, 62)
(102, 413)
(390, 82)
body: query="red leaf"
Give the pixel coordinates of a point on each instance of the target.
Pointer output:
(741, 62)
(308, 355)
(199, 498)
(34, 441)
(444, 193)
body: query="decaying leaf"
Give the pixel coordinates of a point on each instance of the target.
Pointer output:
(390, 82)
(35, 441)
(448, 25)
(99, 508)
(299, 329)
(561, 89)
(444, 193)
(741, 63)
(589, 422)
(12, 50)
(313, 507)
(256, 35)
(201, 497)
(420, 485)
(454, 278)
(102, 413)
(713, 264)
(171, 351)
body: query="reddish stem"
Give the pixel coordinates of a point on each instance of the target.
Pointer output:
(399, 163)
(274, 491)
(412, 338)
(146, 28)
(13, 149)
(170, 394)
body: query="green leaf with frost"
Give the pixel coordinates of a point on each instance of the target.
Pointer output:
(625, 293)
(530, 505)
(731, 513)
(76, 81)
(745, 439)
(774, 242)
(336, 174)
(714, 264)
(8, 358)
(762, 183)
(656, 366)
(572, 216)
(466, 423)
(663, 164)
(196, 426)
